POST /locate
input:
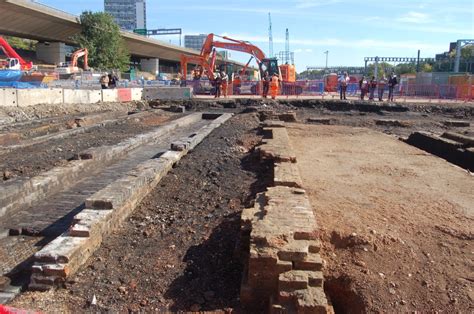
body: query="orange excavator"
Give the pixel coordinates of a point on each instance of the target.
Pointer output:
(207, 59)
(67, 69)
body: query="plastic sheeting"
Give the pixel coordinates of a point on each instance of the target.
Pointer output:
(10, 75)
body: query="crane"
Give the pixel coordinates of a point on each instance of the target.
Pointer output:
(14, 61)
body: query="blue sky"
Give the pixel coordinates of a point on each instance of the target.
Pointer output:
(350, 30)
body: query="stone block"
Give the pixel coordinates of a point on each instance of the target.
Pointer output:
(312, 262)
(178, 109)
(60, 250)
(273, 124)
(287, 174)
(457, 123)
(315, 278)
(293, 280)
(179, 146)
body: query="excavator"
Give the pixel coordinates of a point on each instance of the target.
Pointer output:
(67, 69)
(207, 59)
(14, 61)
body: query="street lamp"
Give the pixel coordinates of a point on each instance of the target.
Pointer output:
(327, 54)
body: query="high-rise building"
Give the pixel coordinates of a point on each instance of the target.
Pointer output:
(194, 41)
(128, 14)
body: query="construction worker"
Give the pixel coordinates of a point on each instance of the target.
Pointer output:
(265, 84)
(392, 82)
(104, 81)
(274, 84)
(343, 82)
(364, 87)
(372, 87)
(224, 83)
(217, 84)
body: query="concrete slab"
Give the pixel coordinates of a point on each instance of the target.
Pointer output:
(31, 97)
(110, 95)
(137, 93)
(167, 93)
(82, 96)
(8, 97)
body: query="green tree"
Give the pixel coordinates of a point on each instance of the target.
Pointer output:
(383, 68)
(101, 36)
(21, 43)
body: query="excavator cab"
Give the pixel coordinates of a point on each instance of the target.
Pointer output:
(270, 65)
(13, 64)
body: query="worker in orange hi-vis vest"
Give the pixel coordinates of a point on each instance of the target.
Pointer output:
(274, 84)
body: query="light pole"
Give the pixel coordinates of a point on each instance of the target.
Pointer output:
(327, 54)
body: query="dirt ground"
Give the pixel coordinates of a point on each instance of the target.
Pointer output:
(42, 111)
(178, 250)
(397, 223)
(31, 160)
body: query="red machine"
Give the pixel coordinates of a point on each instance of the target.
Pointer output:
(72, 68)
(265, 64)
(13, 57)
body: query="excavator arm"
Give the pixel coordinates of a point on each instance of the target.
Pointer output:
(198, 60)
(11, 53)
(78, 54)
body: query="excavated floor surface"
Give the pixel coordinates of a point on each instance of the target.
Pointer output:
(32, 160)
(178, 250)
(396, 221)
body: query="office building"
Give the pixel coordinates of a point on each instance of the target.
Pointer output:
(128, 14)
(194, 41)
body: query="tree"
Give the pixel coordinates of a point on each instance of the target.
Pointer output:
(383, 68)
(21, 43)
(101, 36)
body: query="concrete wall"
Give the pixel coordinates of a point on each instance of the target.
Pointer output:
(167, 93)
(150, 65)
(82, 96)
(30, 97)
(8, 97)
(109, 95)
(54, 53)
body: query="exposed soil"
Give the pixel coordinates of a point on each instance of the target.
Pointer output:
(396, 222)
(32, 160)
(9, 115)
(179, 250)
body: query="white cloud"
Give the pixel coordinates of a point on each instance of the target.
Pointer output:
(415, 17)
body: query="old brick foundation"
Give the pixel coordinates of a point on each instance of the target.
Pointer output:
(283, 268)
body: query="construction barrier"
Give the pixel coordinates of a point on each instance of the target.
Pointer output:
(124, 94)
(30, 97)
(110, 95)
(136, 93)
(167, 93)
(8, 97)
(82, 96)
